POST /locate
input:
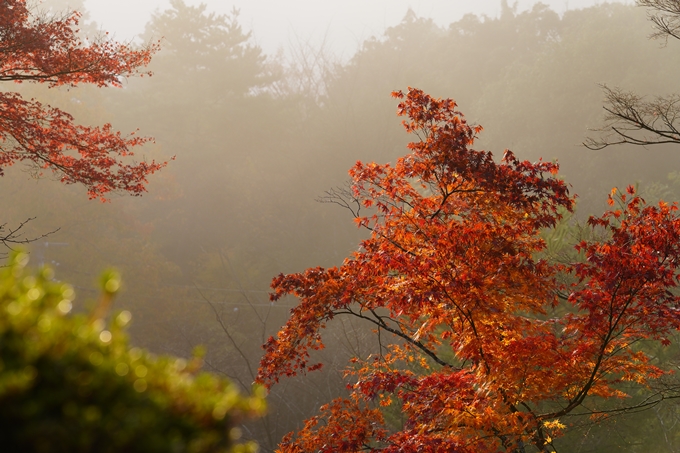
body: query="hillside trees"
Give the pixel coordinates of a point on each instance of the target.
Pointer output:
(208, 104)
(483, 344)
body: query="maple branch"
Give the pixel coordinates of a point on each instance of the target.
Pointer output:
(537, 434)
(339, 196)
(445, 197)
(42, 136)
(578, 399)
(35, 74)
(380, 322)
(649, 402)
(467, 315)
(40, 48)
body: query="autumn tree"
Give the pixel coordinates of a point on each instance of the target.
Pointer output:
(483, 344)
(632, 118)
(39, 48)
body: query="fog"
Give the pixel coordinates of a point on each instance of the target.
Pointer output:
(267, 110)
(342, 26)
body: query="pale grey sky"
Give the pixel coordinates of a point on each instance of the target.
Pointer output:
(344, 23)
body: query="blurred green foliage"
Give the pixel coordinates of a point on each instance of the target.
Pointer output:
(72, 383)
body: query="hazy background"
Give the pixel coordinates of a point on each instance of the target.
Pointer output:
(263, 116)
(343, 26)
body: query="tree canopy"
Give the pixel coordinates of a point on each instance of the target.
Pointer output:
(492, 345)
(47, 49)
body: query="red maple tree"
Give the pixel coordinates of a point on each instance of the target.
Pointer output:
(493, 344)
(41, 49)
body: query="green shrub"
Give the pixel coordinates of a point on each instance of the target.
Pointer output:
(71, 383)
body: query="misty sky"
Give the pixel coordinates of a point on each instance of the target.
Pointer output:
(279, 23)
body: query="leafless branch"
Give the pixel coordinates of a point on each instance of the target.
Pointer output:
(343, 196)
(633, 120)
(14, 236)
(666, 17)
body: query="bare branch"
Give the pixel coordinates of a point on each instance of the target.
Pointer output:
(633, 120)
(666, 19)
(343, 196)
(14, 236)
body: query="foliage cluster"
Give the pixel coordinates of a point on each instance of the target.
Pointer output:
(72, 383)
(47, 50)
(453, 274)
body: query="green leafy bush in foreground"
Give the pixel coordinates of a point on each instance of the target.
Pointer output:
(71, 383)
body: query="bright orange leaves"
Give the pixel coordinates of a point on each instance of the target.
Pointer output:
(480, 361)
(34, 48)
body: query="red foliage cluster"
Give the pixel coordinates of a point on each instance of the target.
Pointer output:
(490, 349)
(39, 49)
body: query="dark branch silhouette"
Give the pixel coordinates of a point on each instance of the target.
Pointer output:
(10, 236)
(633, 119)
(666, 17)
